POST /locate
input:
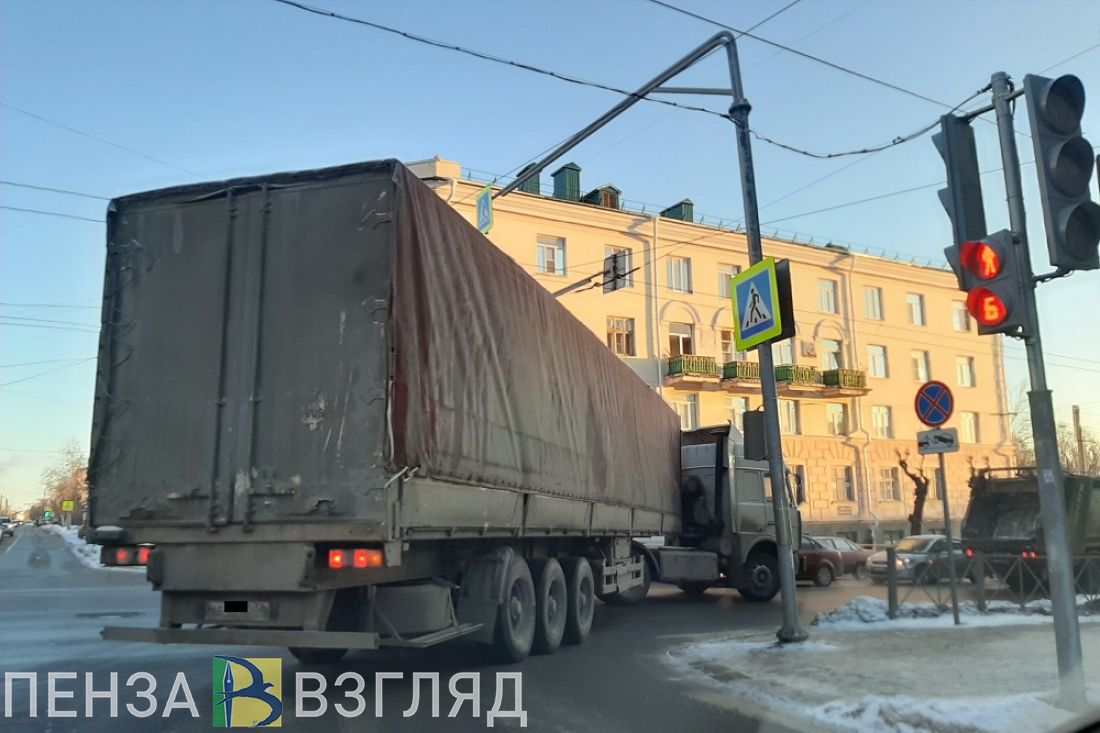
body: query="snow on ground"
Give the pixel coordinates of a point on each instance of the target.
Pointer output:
(88, 555)
(861, 672)
(864, 611)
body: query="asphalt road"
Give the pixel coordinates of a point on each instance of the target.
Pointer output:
(52, 607)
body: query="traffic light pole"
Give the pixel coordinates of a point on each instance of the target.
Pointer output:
(1067, 634)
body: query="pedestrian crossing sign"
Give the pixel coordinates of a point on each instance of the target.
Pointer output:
(758, 307)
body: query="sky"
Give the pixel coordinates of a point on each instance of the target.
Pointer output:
(112, 98)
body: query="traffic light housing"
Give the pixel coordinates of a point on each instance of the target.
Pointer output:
(962, 199)
(995, 296)
(1064, 161)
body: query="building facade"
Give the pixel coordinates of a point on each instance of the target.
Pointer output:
(869, 331)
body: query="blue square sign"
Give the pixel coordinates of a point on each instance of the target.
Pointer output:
(756, 315)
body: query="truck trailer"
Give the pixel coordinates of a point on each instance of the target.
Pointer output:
(331, 415)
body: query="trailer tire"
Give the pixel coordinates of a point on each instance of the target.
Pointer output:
(580, 603)
(317, 656)
(551, 600)
(515, 627)
(762, 577)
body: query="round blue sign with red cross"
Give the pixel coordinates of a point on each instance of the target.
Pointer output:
(934, 403)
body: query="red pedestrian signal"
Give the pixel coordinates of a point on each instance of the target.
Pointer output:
(986, 307)
(982, 259)
(988, 271)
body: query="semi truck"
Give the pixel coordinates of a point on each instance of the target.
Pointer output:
(330, 415)
(1003, 521)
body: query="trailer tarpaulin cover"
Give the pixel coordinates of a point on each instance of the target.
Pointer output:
(496, 383)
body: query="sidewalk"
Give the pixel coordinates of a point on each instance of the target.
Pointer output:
(997, 672)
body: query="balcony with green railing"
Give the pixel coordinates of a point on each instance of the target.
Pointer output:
(845, 381)
(692, 370)
(797, 377)
(741, 370)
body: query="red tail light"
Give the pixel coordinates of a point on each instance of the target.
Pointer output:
(367, 558)
(969, 552)
(337, 559)
(143, 556)
(1029, 555)
(123, 556)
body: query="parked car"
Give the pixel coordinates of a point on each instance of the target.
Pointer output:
(921, 557)
(818, 563)
(7, 527)
(853, 556)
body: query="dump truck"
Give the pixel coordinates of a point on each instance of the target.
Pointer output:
(1004, 523)
(330, 415)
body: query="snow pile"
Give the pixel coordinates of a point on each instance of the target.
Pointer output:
(88, 555)
(865, 610)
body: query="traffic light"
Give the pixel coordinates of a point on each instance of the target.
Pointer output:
(994, 297)
(1064, 160)
(962, 199)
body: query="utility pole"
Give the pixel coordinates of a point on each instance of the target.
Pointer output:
(1080, 438)
(791, 630)
(1067, 634)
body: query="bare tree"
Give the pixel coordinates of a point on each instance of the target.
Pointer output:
(1088, 463)
(66, 480)
(920, 491)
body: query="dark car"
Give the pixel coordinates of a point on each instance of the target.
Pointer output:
(818, 563)
(920, 558)
(853, 556)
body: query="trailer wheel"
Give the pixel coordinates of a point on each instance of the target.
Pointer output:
(317, 656)
(515, 627)
(580, 604)
(550, 605)
(761, 577)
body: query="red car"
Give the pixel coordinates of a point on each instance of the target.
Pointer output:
(853, 556)
(818, 563)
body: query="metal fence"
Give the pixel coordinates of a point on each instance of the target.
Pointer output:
(1019, 580)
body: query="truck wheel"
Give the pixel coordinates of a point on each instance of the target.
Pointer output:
(761, 577)
(823, 578)
(550, 606)
(694, 587)
(633, 595)
(317, 656)
(580, 604)
(515, 632)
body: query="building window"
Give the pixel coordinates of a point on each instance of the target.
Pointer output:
(551, 255)
(725, 340)
(872, 303)
(679, 274)
(736, 411)
(921, 366)
(830, 354)
(784, 353)
(939, 486)
(626, 259)
(964, 371)
(915, 302)
(961, 316)
(688, 410)
(620, 335)
(876, 361)
(788, 417)
(826, 296)
(680, 339)
(842, 483)
(882, 421)
(969, 427)
(889, 486)
(725, 272)
(836, 418)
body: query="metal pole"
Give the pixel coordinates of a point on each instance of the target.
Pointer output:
(1067, 634)
(950, 544)
(790, 631)
(1079, 437)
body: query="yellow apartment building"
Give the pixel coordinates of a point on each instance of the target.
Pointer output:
(869, 331)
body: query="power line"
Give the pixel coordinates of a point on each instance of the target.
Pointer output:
(47, 305)
(803, 54)
(36, 363)
(55, 190)
(43, 212)
(1093, 47)
(47, 371)
(4, 322)
(97, 138)
(48, 320)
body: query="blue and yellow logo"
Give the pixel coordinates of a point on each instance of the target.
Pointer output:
(248, 693)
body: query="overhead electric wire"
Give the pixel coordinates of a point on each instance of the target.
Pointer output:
(1082, 52)
(36, 363)
(43, 212)
(54, 190)
(36, 375)
(97, 138)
